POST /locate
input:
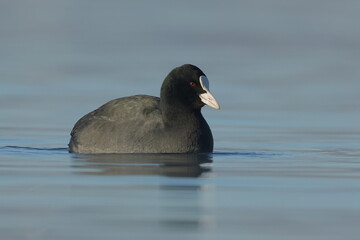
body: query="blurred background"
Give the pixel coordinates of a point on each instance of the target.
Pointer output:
(276, 60)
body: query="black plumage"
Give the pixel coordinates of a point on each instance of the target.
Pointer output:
(172, 123)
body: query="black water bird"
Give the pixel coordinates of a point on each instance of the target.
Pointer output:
(172, 123)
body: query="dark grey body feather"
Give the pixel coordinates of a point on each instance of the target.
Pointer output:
(135, 125)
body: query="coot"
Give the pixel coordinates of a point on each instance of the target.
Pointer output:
(172, 123)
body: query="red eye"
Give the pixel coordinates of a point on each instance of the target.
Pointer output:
(192, 84)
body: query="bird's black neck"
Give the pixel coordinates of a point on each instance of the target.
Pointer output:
(179, 114)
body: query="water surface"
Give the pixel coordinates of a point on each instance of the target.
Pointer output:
(286, 163)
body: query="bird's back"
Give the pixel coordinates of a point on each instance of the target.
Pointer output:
(121, 125)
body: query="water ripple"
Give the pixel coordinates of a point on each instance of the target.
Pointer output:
(246, 154)
(21, 149)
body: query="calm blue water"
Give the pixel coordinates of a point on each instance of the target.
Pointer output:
(287, 140)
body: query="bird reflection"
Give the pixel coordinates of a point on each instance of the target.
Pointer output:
(175, 165)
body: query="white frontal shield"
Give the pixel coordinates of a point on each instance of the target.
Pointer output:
(207, 97)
